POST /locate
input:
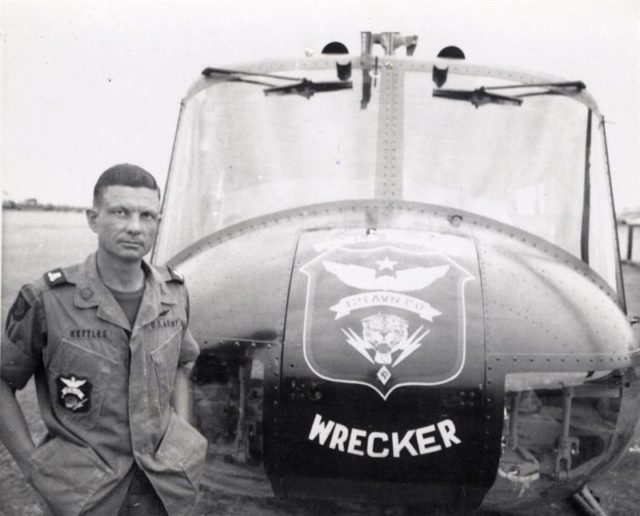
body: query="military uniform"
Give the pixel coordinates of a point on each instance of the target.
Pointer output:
(104, 389)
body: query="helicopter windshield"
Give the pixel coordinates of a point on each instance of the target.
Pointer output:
(518, 157)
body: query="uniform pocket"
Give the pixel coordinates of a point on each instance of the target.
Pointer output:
(178, 464)
(66, 475)
(182, 445)
(165, 362)
(78, 381)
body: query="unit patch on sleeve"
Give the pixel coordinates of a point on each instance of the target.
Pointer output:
(19, 309)
(74, 392)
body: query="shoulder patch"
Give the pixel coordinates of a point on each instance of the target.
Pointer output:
(18, 310)
(175, 275)
(55, 277)
(25, 301)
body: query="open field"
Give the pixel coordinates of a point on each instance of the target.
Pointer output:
(34, 242)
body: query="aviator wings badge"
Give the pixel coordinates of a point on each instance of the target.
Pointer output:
(385, 317)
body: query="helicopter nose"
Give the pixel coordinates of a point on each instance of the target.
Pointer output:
(491, 353)
(393, 333)
(462, 364)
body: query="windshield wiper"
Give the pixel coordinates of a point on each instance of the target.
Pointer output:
(557, 86)
(481, 96)
(308, 88)
(302, 86)
(478, 97)
(209, 72)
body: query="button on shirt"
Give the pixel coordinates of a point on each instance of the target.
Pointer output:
(104, 388)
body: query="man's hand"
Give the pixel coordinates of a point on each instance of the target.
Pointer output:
(182, 400)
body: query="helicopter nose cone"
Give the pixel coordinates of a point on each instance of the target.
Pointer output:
(448, 364)
(405, 334)
(389, 327)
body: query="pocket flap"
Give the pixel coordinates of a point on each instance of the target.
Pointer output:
(180, 442)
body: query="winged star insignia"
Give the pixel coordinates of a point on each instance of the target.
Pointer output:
(365, 278)
(380, 299)
(74, 393)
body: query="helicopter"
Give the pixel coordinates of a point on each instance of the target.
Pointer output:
(404, 278)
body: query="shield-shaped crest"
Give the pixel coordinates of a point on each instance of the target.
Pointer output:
(385, 317)
(74, 392)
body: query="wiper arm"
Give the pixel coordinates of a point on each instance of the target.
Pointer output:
(302, 86)
(308, 88)
(478, 97)
(576, 85)
(481, 96)
(209, 72)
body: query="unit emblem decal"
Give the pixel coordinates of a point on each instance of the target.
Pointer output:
(74, 393)
(385, 317)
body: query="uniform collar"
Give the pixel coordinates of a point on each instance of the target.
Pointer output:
(92, 292)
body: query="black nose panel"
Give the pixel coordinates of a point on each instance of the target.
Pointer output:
(383, 379)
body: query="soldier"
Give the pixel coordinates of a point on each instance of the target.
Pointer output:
(108, 343)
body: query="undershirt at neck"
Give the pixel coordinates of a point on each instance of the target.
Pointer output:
(129, 302)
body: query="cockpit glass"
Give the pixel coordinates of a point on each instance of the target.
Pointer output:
(519, 164)
(514, 155)
(241, 154)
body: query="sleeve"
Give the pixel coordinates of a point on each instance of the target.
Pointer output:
(189, 349)
(24, 338)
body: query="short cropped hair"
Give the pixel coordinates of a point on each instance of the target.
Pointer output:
(123, 174)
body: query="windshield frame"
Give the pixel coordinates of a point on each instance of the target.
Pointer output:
(400, 64)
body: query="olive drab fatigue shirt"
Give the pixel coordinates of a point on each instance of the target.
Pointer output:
(104, 389)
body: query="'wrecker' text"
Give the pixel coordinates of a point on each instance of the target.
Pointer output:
(378, 445)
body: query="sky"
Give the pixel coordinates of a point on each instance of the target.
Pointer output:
(86, 84)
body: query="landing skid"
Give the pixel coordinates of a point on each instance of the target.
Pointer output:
(587, 504)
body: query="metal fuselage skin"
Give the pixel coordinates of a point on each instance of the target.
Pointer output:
(340, 419)
(384, 350)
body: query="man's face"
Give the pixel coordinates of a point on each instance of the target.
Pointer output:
(126, 221)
